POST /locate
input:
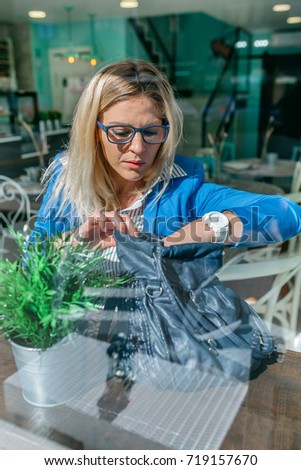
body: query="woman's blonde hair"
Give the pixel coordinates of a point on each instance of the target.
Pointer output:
(84, 183)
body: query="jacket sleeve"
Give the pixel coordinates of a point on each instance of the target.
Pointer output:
(49, 222)
(266, 219)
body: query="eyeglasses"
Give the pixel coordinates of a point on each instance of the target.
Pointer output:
(125, 134)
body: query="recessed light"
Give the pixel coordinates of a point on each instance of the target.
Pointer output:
(37, 14)
(282, 7)
(294, 19)
(129, 4)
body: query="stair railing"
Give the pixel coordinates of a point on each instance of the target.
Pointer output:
(230, 66)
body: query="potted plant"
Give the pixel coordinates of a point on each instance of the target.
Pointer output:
(42, 307)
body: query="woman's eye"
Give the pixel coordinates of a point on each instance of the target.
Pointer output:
(150, 132)
(121, 132)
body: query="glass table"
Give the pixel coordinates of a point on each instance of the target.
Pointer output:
(260, 414)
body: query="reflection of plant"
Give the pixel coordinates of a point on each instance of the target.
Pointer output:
(51, 114)
(40, 297)
(43, 115)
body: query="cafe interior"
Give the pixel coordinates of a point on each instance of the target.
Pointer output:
(236, 70)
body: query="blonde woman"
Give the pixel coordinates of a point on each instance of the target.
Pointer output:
(121, 171)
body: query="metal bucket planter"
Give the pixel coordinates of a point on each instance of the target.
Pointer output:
(50, 377)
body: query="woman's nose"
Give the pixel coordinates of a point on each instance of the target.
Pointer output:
(138, 144)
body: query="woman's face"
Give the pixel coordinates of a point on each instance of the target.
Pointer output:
(130, 162)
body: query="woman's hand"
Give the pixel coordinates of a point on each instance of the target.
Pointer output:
(98, 229)
(199, 232)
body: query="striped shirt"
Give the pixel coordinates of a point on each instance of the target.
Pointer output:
(136, 212)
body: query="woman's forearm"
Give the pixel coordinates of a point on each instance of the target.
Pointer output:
(199, 232)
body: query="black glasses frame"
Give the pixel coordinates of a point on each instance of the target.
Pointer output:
(135, 130)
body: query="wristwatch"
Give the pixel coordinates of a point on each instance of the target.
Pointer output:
(219, 223)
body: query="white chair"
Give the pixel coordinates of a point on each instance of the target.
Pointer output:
(292, 244)
(296, 152)
(15, 212)
(280, 305)
(295, 197)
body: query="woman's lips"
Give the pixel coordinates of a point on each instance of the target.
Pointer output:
(134, 164)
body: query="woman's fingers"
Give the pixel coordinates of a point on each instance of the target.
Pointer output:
(131, 228)
(123, 223)
(99, 228)
(113, 221)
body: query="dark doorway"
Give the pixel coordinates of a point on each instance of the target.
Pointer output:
(281, 100)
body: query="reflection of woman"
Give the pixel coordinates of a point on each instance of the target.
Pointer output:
(120, 171)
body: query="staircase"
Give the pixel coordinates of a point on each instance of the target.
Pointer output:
(154, 45)
(228, 97)
(226, 104)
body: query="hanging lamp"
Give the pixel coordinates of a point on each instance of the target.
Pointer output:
(93, 58)
(71, 56)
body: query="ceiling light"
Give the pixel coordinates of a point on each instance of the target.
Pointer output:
(129, 4)
(294, 19)
(261, 43)
(37, 14)
(241, 44)
(282, 7)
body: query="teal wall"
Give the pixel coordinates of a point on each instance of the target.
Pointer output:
(194, 56)
(196, 68)
(110, 36)
(134, 48)
(116, 39)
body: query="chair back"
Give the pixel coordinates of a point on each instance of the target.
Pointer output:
(15, 212)
(280, 304)
(296, 153)
(14, 202)
(296, 181)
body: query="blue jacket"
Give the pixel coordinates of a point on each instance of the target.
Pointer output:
(266, 219)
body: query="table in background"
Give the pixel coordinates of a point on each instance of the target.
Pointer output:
(32, 188)
(269, 417)
(259, 187)
(254, 168)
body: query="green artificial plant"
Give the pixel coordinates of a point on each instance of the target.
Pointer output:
(42, 295)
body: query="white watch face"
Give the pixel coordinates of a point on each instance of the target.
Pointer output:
(219, 223)
(217, 219)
